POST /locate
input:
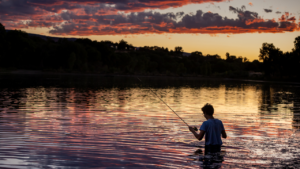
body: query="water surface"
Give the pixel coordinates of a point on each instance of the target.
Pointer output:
(115, 122)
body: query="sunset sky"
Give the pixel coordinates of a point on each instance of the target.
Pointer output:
(210, 26)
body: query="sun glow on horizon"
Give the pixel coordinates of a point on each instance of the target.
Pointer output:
(245, 45)
(209, 26)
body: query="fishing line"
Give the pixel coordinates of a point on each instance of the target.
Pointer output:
(167, 105)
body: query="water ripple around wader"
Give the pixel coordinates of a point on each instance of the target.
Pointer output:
(115, 126)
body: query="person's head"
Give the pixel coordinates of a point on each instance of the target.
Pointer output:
(208, 109)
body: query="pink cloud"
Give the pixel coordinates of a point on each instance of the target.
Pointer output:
(93, 18)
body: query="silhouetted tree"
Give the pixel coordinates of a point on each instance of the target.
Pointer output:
(122, 45)
(196, 53)
(271, 57)
(295, 58)
(230, 58)
(2, 29)
(297, 44)
(240, 59)
(2, 41)
(178, 50)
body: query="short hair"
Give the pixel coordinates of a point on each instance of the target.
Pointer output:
(208, 109)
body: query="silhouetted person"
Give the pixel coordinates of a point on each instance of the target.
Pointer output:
(212, 129)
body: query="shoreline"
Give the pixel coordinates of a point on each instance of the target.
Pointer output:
(39, 72)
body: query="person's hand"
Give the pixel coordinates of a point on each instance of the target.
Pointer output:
(191, 128)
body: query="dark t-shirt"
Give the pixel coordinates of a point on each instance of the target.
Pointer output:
(213, 129)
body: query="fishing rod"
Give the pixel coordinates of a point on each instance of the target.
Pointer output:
(195, 128)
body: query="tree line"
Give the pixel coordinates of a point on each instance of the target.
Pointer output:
(21, 51)
(279, 65)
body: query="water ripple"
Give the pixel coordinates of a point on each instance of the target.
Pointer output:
(113, 127)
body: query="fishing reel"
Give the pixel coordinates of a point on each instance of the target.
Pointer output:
(195, 128)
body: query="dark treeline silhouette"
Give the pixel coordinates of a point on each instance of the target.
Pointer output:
(279, 65)
(19, 50)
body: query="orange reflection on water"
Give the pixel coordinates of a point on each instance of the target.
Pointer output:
(131, 127)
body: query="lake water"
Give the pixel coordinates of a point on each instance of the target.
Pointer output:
(117, 122)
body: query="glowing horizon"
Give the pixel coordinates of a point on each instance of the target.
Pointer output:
(210, 26)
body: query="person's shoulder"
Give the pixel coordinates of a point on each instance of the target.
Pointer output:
(218, 120)
(205, 122)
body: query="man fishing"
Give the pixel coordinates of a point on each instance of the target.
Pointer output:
(212, 129)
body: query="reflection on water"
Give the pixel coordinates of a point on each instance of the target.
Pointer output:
(63, 122)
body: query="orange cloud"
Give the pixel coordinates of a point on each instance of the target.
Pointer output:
(256, 20)
(88, 21)
(125, 29)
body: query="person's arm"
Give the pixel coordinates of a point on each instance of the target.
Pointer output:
(223, 132)
(224, 135)
(198, 136)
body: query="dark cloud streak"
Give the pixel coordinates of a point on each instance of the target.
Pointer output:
(268, 10)
(154, 22)
(91, 17)
(16, 7)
